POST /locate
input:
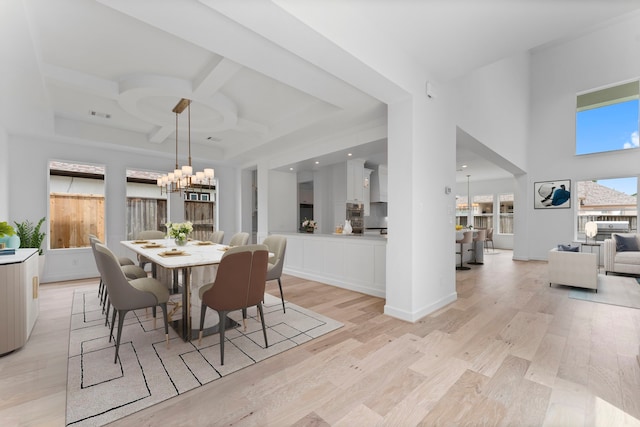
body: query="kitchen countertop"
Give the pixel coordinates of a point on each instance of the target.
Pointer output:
(378, 237)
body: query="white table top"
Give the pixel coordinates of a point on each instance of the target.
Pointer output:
(196, 254)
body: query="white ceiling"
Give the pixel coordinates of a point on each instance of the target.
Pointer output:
(252, 97)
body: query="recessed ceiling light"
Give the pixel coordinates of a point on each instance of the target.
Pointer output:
(290, 169)
(317, 162)
(464, 166)
(350, 154)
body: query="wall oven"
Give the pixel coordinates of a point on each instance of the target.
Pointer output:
(355, 213)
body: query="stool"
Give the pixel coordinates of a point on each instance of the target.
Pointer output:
(478, 242)
(466, 239)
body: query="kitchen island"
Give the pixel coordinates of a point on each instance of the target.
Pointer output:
(355, 262)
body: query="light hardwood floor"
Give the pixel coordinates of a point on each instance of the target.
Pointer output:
(510, 351)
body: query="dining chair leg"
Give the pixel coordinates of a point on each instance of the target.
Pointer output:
(223, 321)
(121, 315)
(113, 322)
(106, 317)
(203, 310)
(264, 329)
(284, 310)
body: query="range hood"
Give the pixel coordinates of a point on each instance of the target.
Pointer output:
(378, 185)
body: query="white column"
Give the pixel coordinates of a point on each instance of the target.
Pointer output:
(420, 262)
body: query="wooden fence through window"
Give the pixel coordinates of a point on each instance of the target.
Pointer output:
(73, 217)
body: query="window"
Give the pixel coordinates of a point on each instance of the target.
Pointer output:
(76, 204)
(462, 210)
(482, 208)
(607, 119)
(146, 207)
(505, 223)
(202, 211)
(607, 200)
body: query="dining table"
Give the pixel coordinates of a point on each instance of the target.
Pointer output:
(192, 266)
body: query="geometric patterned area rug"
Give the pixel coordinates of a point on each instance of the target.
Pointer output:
(99, 391)
(615, 290)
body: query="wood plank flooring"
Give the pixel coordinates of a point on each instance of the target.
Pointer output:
(511, 351)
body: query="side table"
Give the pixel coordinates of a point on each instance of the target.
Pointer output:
(591, 246)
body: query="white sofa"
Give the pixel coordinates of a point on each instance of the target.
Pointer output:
(579, 269)
(621, 262)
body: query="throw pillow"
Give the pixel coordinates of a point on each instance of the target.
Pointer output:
(626, 243)
(568, 248)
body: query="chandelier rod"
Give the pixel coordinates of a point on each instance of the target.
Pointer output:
(176, 139)
(189, 129)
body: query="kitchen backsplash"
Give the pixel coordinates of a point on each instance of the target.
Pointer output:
(377, 216)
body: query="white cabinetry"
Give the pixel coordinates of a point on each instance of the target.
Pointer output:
(355, 180)
(351, 262)
(19, 287)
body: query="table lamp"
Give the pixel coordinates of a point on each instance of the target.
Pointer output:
(591, 230)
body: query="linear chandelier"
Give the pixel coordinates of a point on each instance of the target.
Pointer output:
(183, 179)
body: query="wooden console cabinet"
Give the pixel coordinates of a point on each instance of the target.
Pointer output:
(19, 287)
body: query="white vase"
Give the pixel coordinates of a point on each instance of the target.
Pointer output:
(347, 227)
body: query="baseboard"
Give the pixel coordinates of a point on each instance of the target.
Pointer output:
(425, 311)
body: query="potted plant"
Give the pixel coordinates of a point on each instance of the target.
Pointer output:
(309, 225)
(31, 237)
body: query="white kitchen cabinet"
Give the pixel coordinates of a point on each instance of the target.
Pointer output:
(355, 180)
(19, 287)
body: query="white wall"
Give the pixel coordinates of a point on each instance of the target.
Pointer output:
(29, 199)
(492, 105)
(283, 201)
(599, 59)
(4, 175)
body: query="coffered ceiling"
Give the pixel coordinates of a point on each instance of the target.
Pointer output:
(257, 71)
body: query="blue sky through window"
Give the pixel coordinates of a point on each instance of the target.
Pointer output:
(613, 127)
(625, 185)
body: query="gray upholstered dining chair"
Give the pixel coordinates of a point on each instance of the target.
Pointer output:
(217, 236)
(130, 271)
(239, 239)
(466, 239)
(126, 295)
(277, 246)
(489, 238)
(239, 284)
(121, 259)
(148, 235)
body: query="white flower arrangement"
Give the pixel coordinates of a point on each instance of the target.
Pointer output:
(309, 223)
(179, 230)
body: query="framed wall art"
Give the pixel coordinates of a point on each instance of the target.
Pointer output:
(552, 194)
